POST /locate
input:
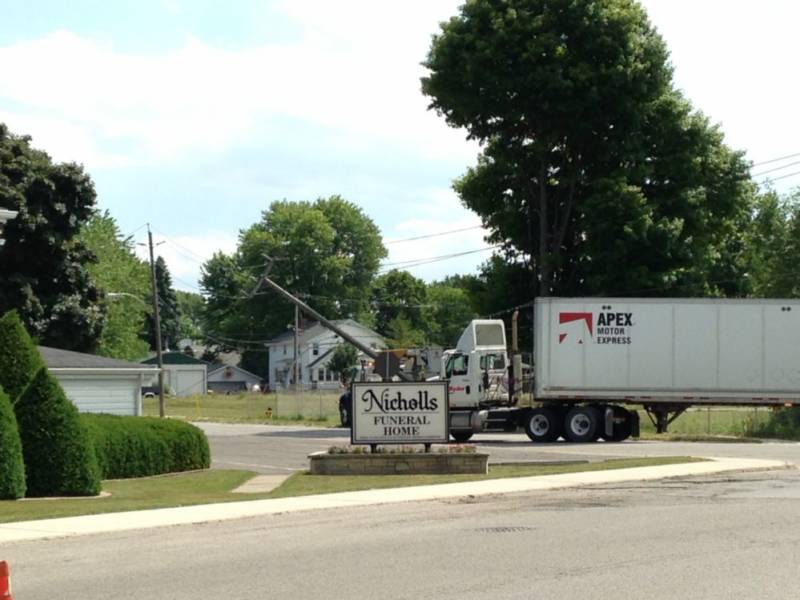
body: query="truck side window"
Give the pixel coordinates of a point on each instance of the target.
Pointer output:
(493, 362)
(457, 365)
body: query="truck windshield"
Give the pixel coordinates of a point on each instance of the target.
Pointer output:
(456, 365)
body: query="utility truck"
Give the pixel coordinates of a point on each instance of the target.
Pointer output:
(595, 356)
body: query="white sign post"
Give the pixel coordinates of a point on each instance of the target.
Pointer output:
(400, 413)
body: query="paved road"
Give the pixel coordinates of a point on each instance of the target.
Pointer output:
(715, 537)
(271, 449)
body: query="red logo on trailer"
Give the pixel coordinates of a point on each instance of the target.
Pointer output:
(571, 317)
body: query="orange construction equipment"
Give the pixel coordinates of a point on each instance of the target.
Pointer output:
(5, 582)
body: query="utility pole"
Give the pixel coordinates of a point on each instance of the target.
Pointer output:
(296, 348)
(157, 318)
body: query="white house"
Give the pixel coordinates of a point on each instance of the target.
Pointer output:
(99, 384)
(5, 215)
(316, 346)
(229, 379)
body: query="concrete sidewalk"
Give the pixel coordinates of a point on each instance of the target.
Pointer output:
(124, 521)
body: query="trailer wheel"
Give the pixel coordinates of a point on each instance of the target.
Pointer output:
(461, 436)
(542, 425)
(582, 424)
(623, 425)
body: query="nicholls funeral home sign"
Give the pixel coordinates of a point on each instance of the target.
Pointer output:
(400, 413)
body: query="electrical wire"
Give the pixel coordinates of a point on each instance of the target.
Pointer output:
(432, 235)
(787, 165)
(432, 259)
(774, 160)
(782, 176)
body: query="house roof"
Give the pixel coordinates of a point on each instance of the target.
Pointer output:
(55, 358)
(214, 368)
(175, 358)
(315, 328)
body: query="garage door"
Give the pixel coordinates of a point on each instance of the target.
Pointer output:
(112, 396)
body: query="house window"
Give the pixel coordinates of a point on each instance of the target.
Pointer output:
(315, 349)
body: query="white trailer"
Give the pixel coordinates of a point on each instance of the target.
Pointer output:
(666, 354)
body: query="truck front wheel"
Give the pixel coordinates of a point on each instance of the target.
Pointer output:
(461, 436)
(582, 424)
(542, 425)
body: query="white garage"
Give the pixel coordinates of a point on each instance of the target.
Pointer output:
(183, 375)
(98, 384)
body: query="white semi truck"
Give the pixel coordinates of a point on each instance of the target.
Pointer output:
(593, 356)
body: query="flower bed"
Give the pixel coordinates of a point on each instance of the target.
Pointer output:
(398, 463)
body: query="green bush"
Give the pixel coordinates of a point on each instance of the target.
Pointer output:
(19, 357)
(782, 424)
(12, 467)
(58, 452)
(141, 446)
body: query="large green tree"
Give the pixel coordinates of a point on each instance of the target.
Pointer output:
(190, 309)
(595, 171)
(326, 252)
(169, 313)
(773, 246)
(44, 267)
(449, 313)
(400, 300)
(125, 279)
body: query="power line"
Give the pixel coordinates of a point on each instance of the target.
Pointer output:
(781, 168)
(774, 160)
(422, 261)
(782, 176)
(432, 235)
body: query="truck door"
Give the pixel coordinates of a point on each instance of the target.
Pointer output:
(459, 384)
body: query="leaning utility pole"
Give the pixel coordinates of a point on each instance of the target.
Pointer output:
(157, 318)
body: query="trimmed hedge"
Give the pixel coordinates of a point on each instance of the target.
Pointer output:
(59, 455)
(141, 446)
(12, 466)
(19, 357)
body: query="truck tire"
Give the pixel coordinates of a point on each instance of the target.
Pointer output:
(623, 425)
(344, 416)
(461, 436)
(542, 425)
(582, 424)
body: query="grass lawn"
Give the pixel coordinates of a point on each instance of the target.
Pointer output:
(701, 424)
(212, 486)
(318, 408)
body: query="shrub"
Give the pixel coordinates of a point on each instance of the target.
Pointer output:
(18, 356)
(58, 452)
(141, 446)
(782, 424)
(12, 467)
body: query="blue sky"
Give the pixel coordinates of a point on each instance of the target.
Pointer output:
(194, 116)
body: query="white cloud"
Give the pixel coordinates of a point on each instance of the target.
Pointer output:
(361, 81)
(184, 254)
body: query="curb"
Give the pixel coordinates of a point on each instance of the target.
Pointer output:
(205, 513)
